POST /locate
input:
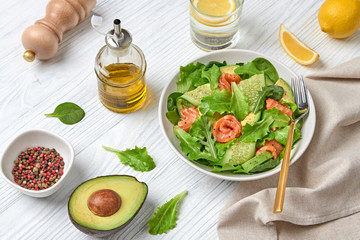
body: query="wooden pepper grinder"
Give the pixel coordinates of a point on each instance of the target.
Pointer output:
(42, 38)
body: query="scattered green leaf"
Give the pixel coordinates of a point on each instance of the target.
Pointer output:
(239, 105)
(165, 217)
(190, 77)
(137, 158)
(256, 131)
(68, 113)
(216, 102)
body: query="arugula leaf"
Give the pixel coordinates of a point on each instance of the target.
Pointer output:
(202, 129)
(68, 113)
(137, 158)
(190, 146)
(217, 102)
(252, 133)
(190, 77)
(272, 91)
(212, 75)
(165, 217)
(239, 105)
(258, 66)
(280, 119)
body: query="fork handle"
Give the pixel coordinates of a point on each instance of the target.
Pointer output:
(280, 192)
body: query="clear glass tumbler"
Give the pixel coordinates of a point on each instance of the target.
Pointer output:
(210, 32)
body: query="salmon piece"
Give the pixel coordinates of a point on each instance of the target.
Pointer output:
(270, 103)
(272, 146)
(226, 129)
(225, 80)
(188, 116)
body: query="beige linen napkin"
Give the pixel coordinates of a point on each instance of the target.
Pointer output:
(322, 199)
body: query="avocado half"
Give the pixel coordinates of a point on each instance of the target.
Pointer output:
(104, 205)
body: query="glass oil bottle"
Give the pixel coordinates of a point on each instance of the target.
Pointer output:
(120, 67)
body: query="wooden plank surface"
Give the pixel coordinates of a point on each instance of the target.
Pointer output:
(161, 30)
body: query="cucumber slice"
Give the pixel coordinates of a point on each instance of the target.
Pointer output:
(194, 96)
(257, 160)
(251, 88)
(239, 153)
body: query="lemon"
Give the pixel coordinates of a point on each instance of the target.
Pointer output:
(212, 11)
(295, 48)
(339, 18)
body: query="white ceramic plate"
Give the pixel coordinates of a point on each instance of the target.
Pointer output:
(233, 56)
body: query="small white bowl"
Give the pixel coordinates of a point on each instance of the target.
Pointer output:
(34, 138)
(232, 56)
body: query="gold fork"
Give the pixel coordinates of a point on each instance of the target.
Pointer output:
(300, 96)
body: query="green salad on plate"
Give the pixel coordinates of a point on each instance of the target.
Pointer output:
(234, 118)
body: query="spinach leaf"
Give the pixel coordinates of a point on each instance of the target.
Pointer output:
(264, 65)
(190, 77)
(216, 102)
(165, 217)
(212, 75)
(68, 113)
(171, 101)
(272, 91)
(137, 158)
(239, 105)
(219, 64)
(202, 129)
(258, 66)
(173, 116)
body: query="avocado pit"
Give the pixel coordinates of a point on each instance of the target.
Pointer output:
(104, 202)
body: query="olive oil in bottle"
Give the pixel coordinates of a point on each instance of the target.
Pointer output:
(120, 68)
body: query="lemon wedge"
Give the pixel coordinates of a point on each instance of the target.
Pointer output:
(211, 11)
(295, 48)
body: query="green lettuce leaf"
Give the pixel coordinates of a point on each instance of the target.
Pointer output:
(239, 105)
(256, 131)
(137, 158)
(219, 64)
(280, 119)
(216, 102)
(171, 100)
(281, 134)
(190, 77)
(212, 75)
(223, 147)
(165, 217)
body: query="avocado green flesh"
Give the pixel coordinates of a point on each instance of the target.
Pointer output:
(288, 94)
(229, 69)
(251, 87)
(131, 192)
(257, 160)
(251, 118)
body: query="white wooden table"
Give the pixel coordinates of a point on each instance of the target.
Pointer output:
(161, 30)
